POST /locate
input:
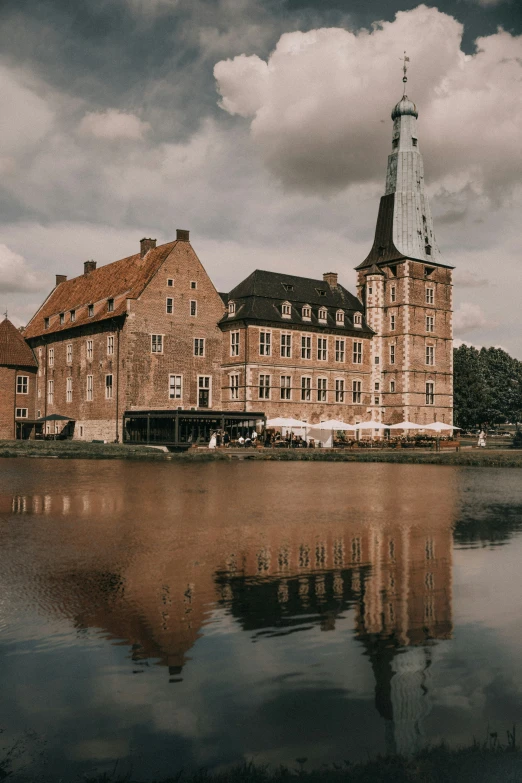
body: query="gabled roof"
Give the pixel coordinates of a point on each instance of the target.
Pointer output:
(259, 298)
(120, 280)
(14, 351)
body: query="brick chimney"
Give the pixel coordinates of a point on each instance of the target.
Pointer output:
(330, 278)
(89, 266)
(182, 235)
(60, 279)
(146, 245)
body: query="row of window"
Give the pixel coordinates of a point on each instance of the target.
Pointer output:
(169, 308)
(285, 347)
(429, 295)
(306, 314)
(170, 283)
(430, 322)
(306, 391)
(89, 351)
(89, 390)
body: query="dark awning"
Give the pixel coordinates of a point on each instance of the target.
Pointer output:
(56, 417)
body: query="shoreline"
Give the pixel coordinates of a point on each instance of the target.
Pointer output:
(509, 458)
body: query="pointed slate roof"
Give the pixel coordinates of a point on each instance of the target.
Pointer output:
(14, 351)
(120, 280)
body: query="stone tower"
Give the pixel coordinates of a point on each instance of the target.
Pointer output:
(407, 292)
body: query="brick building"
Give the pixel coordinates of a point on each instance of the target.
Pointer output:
(17, 383)
(149, 335)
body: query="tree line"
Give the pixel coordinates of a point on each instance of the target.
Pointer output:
(487, 387)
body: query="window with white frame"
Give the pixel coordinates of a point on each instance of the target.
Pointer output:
(110, 305)
(306, 389)
(392, 387)
(306, 346)
(231, 308)
(38, 414)
(306, 312)
(193, 284)
(170, 282)
(430, 295)
(234, 343)
(51, 357)
(322, 387)
(169, 305)
(323, 314)
(377, 359)
(21, 413)
(193, 307)
(110, 345)
(264, 387)
(69, 353)
(156, 343)
(377, 386)
(89, 388)
(430, 393)
(392, 322)
(356, 392)
(22, 384)
(234, 386)
(392, 354)
(89, 349)
(286, 387)
(90, 310)
(108, 387)
(430, 323)
(199, 346)
(430, 355)
(322, 348)
(339, 389)
(339, 350)
(50, 392)
(357, 320)
(286, 345)
(175, 387)
(393, 293)
(265, 343)
(357, 352)
(286, 309)
(68, 389)
(339, 317)
(204, 391)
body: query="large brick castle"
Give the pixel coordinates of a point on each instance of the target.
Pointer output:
(149, 335)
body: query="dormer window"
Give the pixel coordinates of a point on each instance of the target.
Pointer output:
(62, 318)
(357, 320)
(427, 248)
(306, 312)
(339, 317)
(110, 305)
(288, 286)
(46, 323)
(323, 314)
(321, 291)
(231, 308)
(286, 309)
(73, 315)
(90, 310)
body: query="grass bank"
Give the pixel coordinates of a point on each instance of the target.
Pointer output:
(79, 450)
(477, 764)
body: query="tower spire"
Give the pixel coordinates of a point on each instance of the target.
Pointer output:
(405, 60)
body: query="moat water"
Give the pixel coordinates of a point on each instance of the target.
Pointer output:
(167, 616)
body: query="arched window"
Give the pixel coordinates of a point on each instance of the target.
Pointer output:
(339, 317)
(357, 320)
(306, 312)
(286, 309)
(231, 308)
(323, 314)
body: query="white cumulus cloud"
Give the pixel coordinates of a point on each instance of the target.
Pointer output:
(319, 107)
(113, 124)
(15, 275)
(468, 317)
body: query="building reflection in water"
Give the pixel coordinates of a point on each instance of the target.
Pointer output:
(154, 586)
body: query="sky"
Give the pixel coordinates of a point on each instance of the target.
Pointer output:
(263, 127)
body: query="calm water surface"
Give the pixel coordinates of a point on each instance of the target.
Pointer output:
(176, 616)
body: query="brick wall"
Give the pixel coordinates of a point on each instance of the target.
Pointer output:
(10, 400)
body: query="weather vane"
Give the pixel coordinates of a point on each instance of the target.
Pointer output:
(405, 60)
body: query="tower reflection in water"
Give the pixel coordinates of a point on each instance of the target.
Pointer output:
(156, 585)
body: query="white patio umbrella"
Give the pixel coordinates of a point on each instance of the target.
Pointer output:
(439, 426)
(335, 424)
(371, 425)
(282, 422)
(406, 425)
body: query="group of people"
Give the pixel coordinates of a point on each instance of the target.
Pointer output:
(222, 438)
